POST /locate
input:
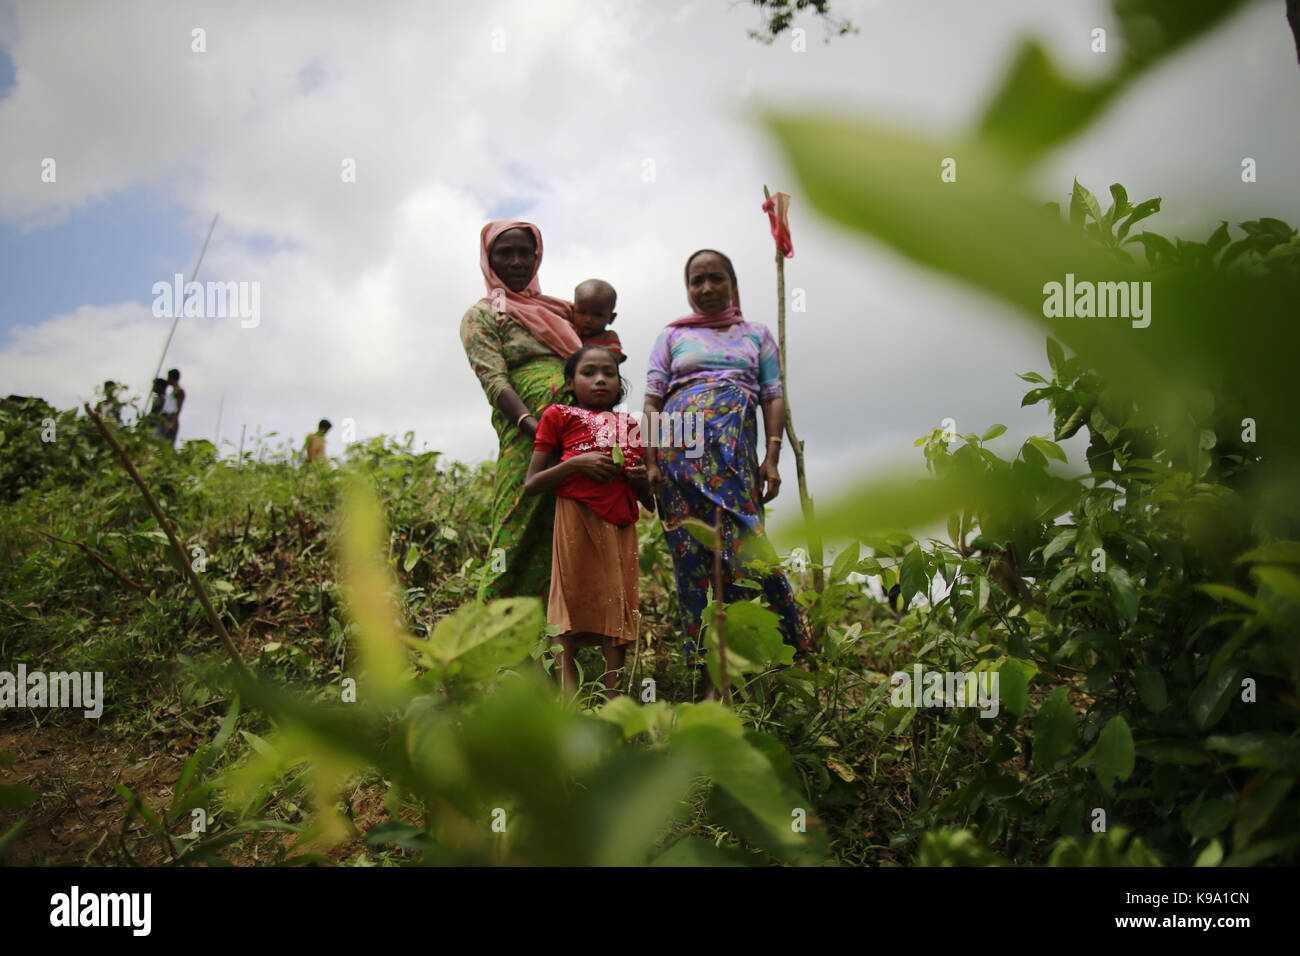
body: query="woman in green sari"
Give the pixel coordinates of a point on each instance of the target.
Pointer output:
(516, 340)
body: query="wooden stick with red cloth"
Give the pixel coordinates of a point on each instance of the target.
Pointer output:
(777, 208)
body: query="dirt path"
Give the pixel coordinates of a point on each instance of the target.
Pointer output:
(73, 768)
(78, 818)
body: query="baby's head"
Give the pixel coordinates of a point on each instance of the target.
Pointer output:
(593, 306)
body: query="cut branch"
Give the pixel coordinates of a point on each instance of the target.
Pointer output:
(166, 524)
(96, 555)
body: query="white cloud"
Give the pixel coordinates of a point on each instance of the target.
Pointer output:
(363, 293)
(63, 358)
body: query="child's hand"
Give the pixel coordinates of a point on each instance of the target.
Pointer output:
(636, 472)
(595, 464)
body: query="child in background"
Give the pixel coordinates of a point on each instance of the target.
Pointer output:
(314, 448)
(172, 405)
(597, 482)
(593, 309)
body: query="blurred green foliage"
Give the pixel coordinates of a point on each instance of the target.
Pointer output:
(1143, 613)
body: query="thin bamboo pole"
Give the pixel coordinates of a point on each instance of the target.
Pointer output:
(176, 306)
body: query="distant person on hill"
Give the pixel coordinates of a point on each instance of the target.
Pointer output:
(154, 419)
(315, 446)
(172, 405)
(111, 405)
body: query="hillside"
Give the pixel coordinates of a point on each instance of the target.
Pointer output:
(1151, 687)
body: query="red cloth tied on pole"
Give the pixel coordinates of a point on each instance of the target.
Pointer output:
(777, 206)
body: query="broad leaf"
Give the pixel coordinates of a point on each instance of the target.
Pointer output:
(478, 639)
(1054, 729)
(1113, 760)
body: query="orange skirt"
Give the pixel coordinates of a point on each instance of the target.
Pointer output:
(593, 576)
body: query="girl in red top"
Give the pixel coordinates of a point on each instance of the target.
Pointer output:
(593, 597)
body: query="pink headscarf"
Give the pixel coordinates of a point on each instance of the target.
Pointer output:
(550, 320)
(718, 320)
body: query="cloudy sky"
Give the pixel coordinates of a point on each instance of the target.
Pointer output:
(626, 130)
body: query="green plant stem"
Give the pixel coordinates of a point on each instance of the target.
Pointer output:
(719, 621)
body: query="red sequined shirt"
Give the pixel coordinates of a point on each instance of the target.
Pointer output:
(576, 431)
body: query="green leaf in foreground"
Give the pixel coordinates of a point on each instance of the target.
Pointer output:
(400, 834)
(1013, 686)
(906, 499)
(1211, 818)
(1209, 702)
(1054, 727)
(1038, 105)
(1150, 687)
(1126, 596)
(845, 562)
(478, 639)
(1275, 552)
(1113, 759)
(701, 532)
(912, 579)
(1256, 809)
(757, 808)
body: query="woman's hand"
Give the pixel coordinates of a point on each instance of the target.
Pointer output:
(653, 405)
(769, 478)
(636, 477)
(655, 477)
(596, 465)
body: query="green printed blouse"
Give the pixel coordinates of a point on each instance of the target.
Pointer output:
(496, 345)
